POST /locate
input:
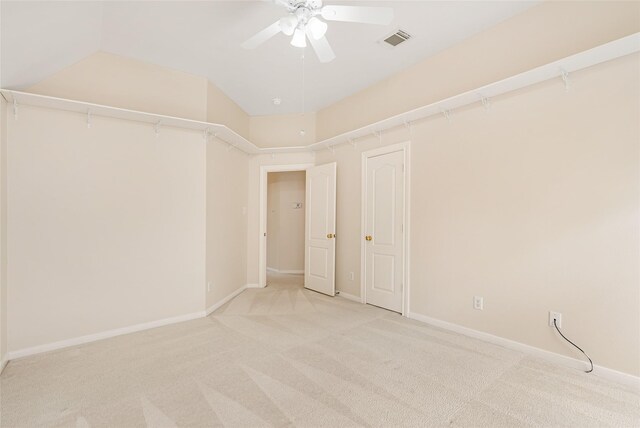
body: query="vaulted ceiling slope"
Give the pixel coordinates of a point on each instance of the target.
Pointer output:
(40, 38)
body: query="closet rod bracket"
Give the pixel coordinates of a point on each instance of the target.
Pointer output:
(565, 79)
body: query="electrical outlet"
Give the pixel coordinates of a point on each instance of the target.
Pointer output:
(208, 286)
(555, 316)
(478, 303)
(351, 276)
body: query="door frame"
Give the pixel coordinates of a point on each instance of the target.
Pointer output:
(264, 171)
(404, 147)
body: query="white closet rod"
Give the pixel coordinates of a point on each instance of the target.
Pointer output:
(558, 69)
(158, 121)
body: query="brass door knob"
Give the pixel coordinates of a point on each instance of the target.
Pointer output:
(331, 235)
(368, 238)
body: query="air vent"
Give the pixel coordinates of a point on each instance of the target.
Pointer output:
(398, 37)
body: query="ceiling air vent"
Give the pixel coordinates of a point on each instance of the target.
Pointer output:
(398, 37)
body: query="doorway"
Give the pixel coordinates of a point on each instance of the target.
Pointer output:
(285, 226)
(385, 224)
(265, 170)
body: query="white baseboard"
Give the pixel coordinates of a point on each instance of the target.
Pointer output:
(102, 335)
(349, 296)
(253, 286)
(3, 363)
(215, 306)
(603, 372)
(117, 332)
(286, 272)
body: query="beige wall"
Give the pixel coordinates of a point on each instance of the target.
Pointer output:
(543, 34)
(227, 186)
(107, 225)
(285, 224)
(117, 81)
(3, 230)
(254, 235)
(221, 109)
(283, 130)
(533, 205)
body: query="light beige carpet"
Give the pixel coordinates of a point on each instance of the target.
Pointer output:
(285, 356)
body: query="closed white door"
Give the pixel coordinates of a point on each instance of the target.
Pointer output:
(320, 229)
(384, 237)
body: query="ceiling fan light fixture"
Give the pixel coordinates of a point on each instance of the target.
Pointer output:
(288, 24)
(299, 39)
(317, 28)
(308, 19)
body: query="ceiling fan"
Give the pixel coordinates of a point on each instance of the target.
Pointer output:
(303, 22)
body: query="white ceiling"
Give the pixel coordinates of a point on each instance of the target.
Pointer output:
(204, 37)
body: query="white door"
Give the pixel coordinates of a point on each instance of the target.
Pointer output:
(384, 237)
(320, 225)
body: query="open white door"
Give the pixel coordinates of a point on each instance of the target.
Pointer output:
(320, 233)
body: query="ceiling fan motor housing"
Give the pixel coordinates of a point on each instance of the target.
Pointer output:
(303, 21)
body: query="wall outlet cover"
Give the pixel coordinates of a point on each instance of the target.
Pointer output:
(557, 316)
(478, 303)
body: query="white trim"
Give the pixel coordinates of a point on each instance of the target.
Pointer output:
(348, 296)
(3, 363)
(219, 304)
(603, 372)
(119, 331)
(253, 286)
(264, 170)
(405, 148)
(102, 335)
(285, 271)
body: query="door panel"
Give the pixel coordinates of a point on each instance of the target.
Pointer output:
(383, 211)
(318, 214)
(318, 262)
(384, 216)
(383, 272)
(320, 244)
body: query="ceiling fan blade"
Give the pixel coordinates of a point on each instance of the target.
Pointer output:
(262, 36)
(322, 48)
(363, 14)
(284, 3)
